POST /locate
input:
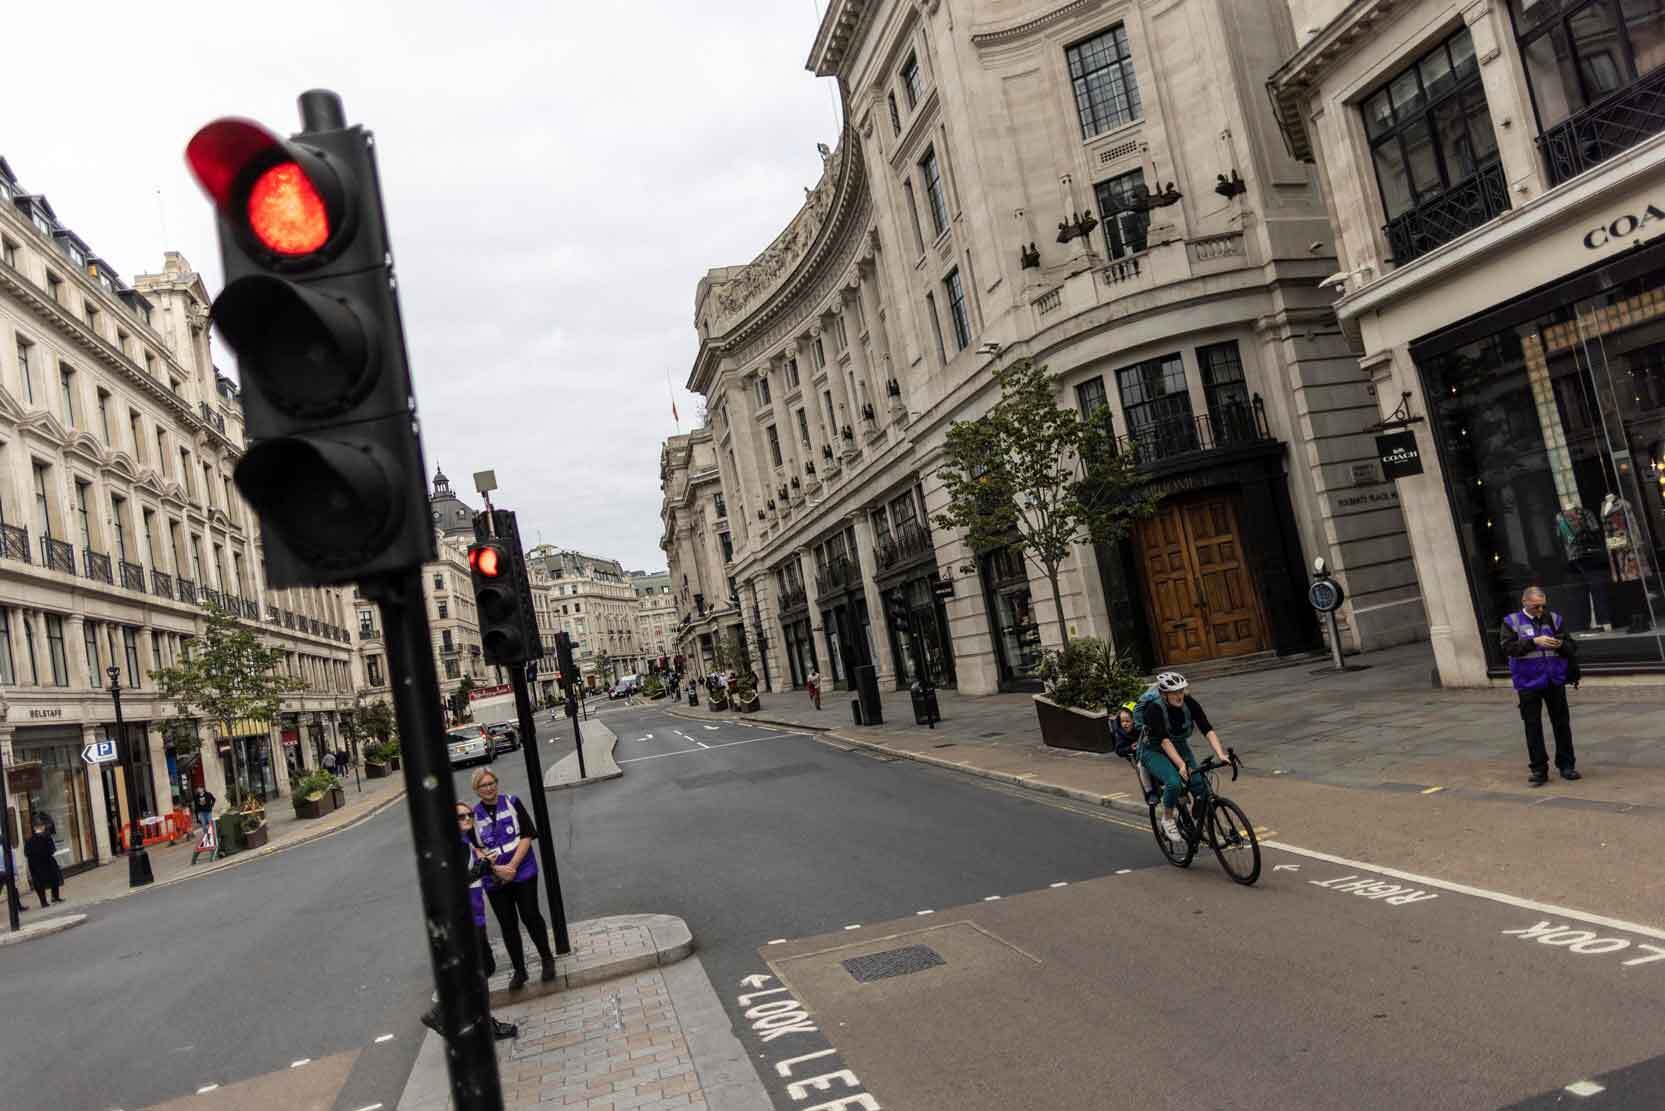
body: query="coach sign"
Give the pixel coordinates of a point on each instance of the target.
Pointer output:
(1399, 455)
(1625, 226)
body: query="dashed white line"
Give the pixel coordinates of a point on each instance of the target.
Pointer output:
(206, 1088)
(1433, 790)
(1585, 1088)
(383, 1038)
(702, 744)
(923, 913)
(1123, 871)
(991, 898)
(725, 744)
(854, 926)
(778, 941)
(1060, 883)
(302, 1061)
(370, 1107)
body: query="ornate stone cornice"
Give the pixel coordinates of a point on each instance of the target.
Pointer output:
(1294, 80)
(1001, 33)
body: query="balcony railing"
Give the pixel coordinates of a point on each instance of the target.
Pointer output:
(288, 619)
(1475, 200)
(911, 541)
(212, 597)
(98, 567)
(793, 598)
(369, 632)
(313, 626)
(187, 590)
(161, 584)
(1236, 425)
(57, 555)
(1610, 126)
(213, 417)
(133, 576)
(836, 575)
(251, 609)
(14, 543)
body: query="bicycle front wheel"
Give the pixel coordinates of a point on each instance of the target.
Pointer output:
(1233, 839)
(1178, 855)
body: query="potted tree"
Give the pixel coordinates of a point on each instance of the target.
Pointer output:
(254, 828)
(376, 760)
(315, 794)
(1083, 682)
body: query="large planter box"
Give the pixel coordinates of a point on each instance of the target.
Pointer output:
(315, 808)
(393, 763)
(373, 770)
(257, 837)
(748, 706)
(229, 830)
(1067, 727)
(716, 702)
(339, 795)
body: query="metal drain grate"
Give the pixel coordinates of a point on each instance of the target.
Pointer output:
(893, 962)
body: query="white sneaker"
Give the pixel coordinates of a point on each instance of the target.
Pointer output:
(1170, 829)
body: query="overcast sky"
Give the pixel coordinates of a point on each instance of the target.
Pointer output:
(558, 176)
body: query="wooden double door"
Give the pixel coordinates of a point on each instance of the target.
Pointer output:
(1201, 595)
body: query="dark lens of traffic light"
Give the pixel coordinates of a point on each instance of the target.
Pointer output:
(332, 503)
(308, 352)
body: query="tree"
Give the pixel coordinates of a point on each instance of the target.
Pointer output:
(1038, 477)
(463, 688)
(227, 675)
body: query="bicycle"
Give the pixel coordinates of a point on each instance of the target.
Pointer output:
(1230, 833)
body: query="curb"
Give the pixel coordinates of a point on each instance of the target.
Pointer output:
(42, 929)
(557, 779)
(672, 942)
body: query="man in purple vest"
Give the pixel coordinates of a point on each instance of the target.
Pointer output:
(506, 831)
(1542, 661)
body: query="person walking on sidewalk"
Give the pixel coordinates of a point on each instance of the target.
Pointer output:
(44, 873)
(1542, 660)
(812, 683)
(506, 831)
(478, 868)
(202, 805)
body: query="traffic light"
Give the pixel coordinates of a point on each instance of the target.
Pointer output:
(502, 590)
(333, 465)
(897, 607)
(563, 655)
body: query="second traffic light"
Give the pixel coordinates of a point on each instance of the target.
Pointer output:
(503, 590)
(896, 606)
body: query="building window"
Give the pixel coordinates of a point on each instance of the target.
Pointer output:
(1155, 402)
(895, 117)
(763, 389)
(104, 417)
(118, 521)
(1434, 149)
(83, 514)
(721, 504)
(8, 666)
(150, 363)
(1125, 227)
(1226, 391)
(1106, 88)
(8, 249)
(55, 287)
(29, 645)
(95, 662)
(1089, 396)
(774, 445)
(792, 374)
(373, 670)
(936, 326)
(451, 669)
(727, 542)
(439, 582)
(931, 173)
(25, 369)
(55, 650)
(840, 333)
(957, 312)
(446, 644)
(66, 379)
(444, 610)
(913, 217)
(912, 87)
(803, 428)
(92, 314)
(43, 504)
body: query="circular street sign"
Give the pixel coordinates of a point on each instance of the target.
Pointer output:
(1326, 595)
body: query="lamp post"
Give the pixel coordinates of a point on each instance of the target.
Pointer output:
(138, 861)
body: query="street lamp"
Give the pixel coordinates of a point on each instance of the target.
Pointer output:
(138, 861)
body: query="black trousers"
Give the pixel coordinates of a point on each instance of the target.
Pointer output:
(1532, 703)
(513, 904)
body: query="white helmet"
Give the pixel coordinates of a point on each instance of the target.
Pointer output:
(1171, 681)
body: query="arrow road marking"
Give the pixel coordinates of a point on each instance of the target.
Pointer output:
(755, 980)
(1286, 867)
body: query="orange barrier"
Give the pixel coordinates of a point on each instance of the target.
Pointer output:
(171, 827)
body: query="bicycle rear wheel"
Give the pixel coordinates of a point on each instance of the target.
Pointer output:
(1233, 839)
(1177, 855)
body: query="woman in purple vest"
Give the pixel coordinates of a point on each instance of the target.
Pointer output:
(505, 829)
(475, 858)
(1542, 661)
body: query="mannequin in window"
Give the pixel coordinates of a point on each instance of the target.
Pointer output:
(1624, 560)
(1585, 549)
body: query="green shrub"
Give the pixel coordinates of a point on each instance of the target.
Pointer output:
(314, 784)
(1088, 675)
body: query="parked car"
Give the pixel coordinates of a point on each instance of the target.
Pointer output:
(468, 744)
(504, 735)
(624, 688)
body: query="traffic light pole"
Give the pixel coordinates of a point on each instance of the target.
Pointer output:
(540, 808)
(453, 938)
(577, 736)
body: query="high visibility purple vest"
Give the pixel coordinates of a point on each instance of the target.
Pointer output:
(1541, 667)
(477, 889)
(499, 832)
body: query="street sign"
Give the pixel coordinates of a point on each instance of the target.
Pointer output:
(99, 752)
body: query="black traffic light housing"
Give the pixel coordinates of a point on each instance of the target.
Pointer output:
(503, 590)
(334, 464)
(563, 658)
(897, 608)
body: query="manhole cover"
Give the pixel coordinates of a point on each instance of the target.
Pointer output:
(893, 962)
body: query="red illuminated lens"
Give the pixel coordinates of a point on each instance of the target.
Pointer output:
(485, 561)
(286, 213)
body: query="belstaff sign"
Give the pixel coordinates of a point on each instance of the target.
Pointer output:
(1631, 223)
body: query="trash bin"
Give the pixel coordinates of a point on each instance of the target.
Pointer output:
(866, 682)
(693, 696)
(925, 710)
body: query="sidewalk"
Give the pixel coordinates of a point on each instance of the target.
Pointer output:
(171, 863)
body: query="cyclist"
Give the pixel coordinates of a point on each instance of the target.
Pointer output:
(1167, 721)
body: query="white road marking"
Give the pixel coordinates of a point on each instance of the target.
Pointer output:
(1476, 892)
(384, 1038)
(206, 1088)
(1061, 883)
(1123, 871)
(1117, 795)
(371, 1107)
(302, 1061)
(725, 744)
(1433, 790)
(922, 913)
(1286, 867)
(713, 728)
(991, 898)
(778, 941)
(702, 744)
(1585, 1088)
(854, 926)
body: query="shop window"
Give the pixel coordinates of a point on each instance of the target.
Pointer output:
(1126, 226)
(1226, 392)
(1552, 435)
(1435, 151)
(1101, 75)
(1017, 634)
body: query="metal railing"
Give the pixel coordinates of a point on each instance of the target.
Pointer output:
(213, 417)
(161, 584)
(836, 575)
(98, 567)
(1610, 126)
(288, 619)
(794, 597)
(1235, 425)
(133, 576)
(212, 597)
(251, 609)
(369, 632)
(14, 543)
(57, 555)
(1476, 200)
(911, 541)
(187, 590)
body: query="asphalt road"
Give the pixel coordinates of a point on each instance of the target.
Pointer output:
(1075, 968)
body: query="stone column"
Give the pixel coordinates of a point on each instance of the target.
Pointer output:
(161, 785)
(280, 762)
(823, 654)
(859, 364)
(91, 734)
(878, 630)
(844, 408)
(882, 366)
(75, 652)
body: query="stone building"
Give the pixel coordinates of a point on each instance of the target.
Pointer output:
(119, 524)
(1494, 172)
(655, 617)
(698, 540)
(597, 607)
(1100, 187)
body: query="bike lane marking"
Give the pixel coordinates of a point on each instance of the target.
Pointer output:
(805, 1067)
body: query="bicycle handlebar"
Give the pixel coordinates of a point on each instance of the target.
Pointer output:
(1213, 762)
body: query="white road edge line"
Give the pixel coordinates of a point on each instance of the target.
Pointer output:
(853, 926)
(778, 941)
(1060, 883)
(1585, 1088)
(206, 1088)
(371, 1107)
(991, 898)
(726, 744)
(302, 1061)
(1476, 892)
(922, 913)
(702, 744)
(1123, 871)
(380, 1038)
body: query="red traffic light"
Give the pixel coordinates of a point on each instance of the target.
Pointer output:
(486, 560)
(286, 213)
(283, 195)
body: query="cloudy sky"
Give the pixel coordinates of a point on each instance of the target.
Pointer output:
(558, 176)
